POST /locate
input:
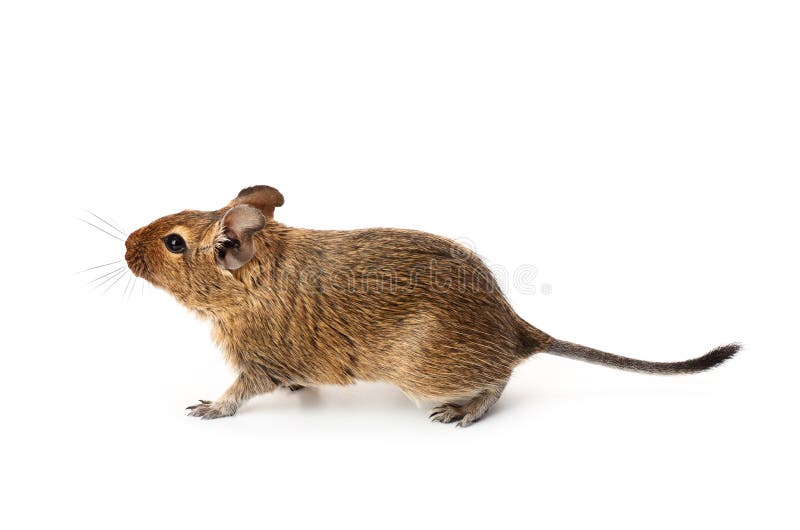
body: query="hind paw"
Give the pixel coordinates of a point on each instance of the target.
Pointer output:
(447, 413)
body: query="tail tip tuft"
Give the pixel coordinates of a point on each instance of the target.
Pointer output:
(721, 354)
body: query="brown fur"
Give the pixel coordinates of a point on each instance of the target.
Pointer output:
(315, 307)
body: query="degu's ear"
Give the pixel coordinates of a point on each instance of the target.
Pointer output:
(265, 198)
(238, 226)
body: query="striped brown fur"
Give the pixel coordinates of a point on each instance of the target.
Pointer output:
(294, 307)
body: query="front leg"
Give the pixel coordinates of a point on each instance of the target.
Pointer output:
(245, 387)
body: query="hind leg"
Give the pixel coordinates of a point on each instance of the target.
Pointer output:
(470, 411)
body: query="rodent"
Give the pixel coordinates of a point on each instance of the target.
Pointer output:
(292, 307)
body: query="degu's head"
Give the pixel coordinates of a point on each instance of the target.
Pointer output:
(192, 253)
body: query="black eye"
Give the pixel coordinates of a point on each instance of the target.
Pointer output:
(175, 243)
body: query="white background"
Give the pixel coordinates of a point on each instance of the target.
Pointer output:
(641, 155)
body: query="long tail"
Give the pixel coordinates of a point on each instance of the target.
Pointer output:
(713, 358)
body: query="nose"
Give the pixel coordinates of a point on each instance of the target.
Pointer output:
(129, 249)
(129, 253)
(133, 256)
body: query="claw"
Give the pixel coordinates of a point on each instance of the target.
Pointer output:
(447, 413)
(202, 402)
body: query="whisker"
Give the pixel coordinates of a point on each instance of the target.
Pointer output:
(114, 222)
(143, 284)
(106, 274)
(99, 266)
(127, 285)
(97, 227)
(132, 288)
(120, 274)
(115, 281)
(106, 222)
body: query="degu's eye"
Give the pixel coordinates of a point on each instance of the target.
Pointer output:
(175, 243)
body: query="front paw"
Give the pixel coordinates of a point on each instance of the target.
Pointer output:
(209, 410)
